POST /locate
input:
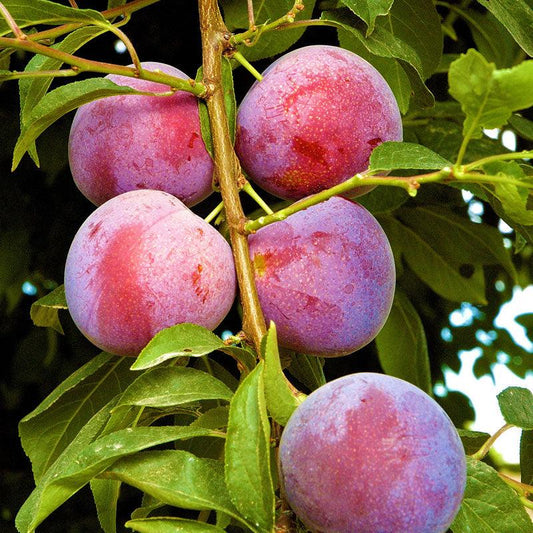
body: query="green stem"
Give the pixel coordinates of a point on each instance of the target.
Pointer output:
(250, 191)
(526, 503)
(499, 157)
(6, 15)
(128, 44)
(247, 65)
(63, 73)
(523, 488)
(489, 442)
(209, 218)
(249, 36)
(410, 184)
(474, 177)
(88, 65)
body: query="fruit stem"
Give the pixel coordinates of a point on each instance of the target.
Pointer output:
(250, 191)
(214, 43)
(209, 218)
(247, 65)
(484, 450)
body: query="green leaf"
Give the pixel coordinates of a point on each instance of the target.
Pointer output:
(177, 478)
(48, 430)
(392, 155)
(308, 369)
(516, 405)
(522, 126)
(489, 96)
(383, 199)
(182, 340)
(247, 453)
(45, 311)
(215, 418)
(67, 476)
(402, 346)
(517, 17)
(271, 43)
(33, 12)
(434, 261)
(61, 101)
(106, 493)
(472, 440)
(489, 504)
(526, 453)
(369, 10)
(410, 35)
(281, 400)
(171, 525)
(171, 386)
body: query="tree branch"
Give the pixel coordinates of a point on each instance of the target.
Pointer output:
(227, 166)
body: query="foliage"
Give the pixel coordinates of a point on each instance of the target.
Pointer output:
(194, 422)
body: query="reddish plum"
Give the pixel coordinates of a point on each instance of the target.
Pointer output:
(370, 453)
(313, 121)
(325, 276)
(129, 142)
(143, 262)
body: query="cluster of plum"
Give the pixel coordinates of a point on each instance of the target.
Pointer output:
(144, 261)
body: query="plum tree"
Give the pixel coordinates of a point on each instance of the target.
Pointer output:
(142, 262)
(325, 276)
(129, 142)
(313, 121)
(369, 452)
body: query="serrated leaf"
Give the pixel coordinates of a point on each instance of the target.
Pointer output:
(182, 340)
(271, 43)
(402, 345)
(392, 155)
(472, 440)
(526, 454)
(33, 12)
(308, 369)
(369, 10)
(45, 311)
(516, 405)
(171, 525)
(67, 476)
(247, 453)
(488, 96)
(433, 264)
(177, 478)
(517, 17)
(61, 101)
(171, 386)
(281, 400)
(49, 429)
(489, 504)
(105, 494)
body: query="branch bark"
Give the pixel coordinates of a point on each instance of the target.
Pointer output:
(228, 172)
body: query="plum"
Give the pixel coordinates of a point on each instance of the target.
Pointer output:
(325, 276)
(142, 262)
(128, 142)
(313, 121)
(370, 453)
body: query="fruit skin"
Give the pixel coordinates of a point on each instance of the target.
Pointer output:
(142, 262)
(325, 276)
(129, 142)
(313, 121)
(370, 453)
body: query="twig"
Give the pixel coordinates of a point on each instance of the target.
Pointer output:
(19, 34)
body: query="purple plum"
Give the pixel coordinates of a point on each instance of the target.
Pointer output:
(325, 276)
(313, 121)
(128, 142)
(142, 262)
(370, 453)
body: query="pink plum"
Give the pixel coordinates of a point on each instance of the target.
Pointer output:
(313, 121)
(127, 142)
(143, 262)
(325, 276)
(371, 453)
